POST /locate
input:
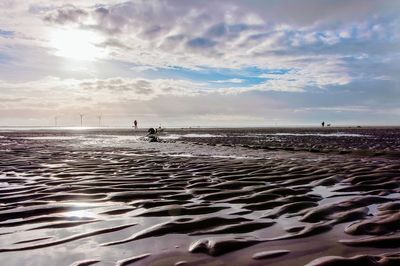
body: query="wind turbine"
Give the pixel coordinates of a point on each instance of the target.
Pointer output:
(99, 117)
(81, 119)
(55, 121)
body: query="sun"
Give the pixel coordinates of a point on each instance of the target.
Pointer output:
(76, 44)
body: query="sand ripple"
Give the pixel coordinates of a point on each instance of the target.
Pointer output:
(118, 205)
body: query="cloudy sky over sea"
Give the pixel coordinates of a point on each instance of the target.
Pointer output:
(200, 63)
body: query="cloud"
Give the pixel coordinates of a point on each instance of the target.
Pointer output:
(84, 99)
(114, 43)
(143, 89)
(320, 73)
(223, 29)
(337, 109)
(315, 12)
(10, 99)
(66, 14)
(235, 80)
(65, 91)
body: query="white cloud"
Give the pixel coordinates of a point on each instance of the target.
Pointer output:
(228, 81)
(64, 91)
(337, 109)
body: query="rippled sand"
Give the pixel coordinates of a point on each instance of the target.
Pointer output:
(200, 197)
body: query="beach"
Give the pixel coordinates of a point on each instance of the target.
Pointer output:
(245, 196)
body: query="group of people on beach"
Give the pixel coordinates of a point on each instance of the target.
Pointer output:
(323, 124)
(151, 132)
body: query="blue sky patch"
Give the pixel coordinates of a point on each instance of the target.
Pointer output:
(6, 33)
(216, 76)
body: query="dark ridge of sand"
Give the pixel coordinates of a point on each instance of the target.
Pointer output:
(92, 198)
(182, 262)
(242, 227)
(179, 226)
(84, 263)
(390, 241)
(131, 260)
(218, 246)
(32, 240)
(270, 254)
(68, 239)
(177, 210)
(361, 260)
(62, 225)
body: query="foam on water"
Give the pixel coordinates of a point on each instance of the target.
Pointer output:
(171, 136)
(54, 165)
(51, 137)
(192, 135)
(209, 155)
(126, 137)
(203, 135)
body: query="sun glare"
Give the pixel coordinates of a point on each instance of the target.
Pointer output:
(76, 44)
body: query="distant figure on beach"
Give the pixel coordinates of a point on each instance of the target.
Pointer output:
(323, 123)
(135, 124)
(151, 134)
(328, 125)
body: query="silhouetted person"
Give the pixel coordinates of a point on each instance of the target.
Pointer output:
(323, 123)
(135, 124)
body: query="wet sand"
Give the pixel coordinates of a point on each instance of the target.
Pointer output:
(200, 197)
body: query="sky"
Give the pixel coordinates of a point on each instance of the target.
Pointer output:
(182, 63)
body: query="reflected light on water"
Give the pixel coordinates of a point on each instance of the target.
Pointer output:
(80, 212)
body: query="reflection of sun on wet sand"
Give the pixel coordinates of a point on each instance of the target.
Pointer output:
(257, 197)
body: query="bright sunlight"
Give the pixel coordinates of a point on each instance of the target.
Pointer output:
(76, 44)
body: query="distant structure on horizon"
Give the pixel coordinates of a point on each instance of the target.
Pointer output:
(81, 115)
(99, 117)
